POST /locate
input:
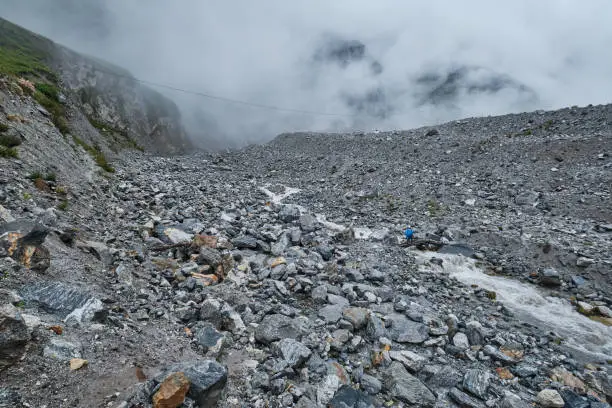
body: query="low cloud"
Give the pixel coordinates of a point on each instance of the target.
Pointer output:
(374, 65)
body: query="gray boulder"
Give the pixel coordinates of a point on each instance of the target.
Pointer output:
(406, 388)
(14, 335)
(277, 327)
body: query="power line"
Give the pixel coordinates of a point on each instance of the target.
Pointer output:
(224, 99)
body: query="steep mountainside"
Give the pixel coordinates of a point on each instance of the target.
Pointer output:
(90, 99)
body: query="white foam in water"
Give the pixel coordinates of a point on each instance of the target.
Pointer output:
(529, 304)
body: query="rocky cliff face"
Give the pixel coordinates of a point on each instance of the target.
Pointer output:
(98, 103)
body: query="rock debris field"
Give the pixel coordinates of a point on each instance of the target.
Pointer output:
(277, 275)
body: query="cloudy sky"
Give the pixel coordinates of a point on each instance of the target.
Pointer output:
(545, 54)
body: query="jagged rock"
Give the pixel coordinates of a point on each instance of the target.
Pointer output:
(277, 327)
(476, 382)
(62, 349)
(293, 352)
(475, 333)
(438, 376)
(319, 294)
(14, 335)
(375, 328)
(412, 361)
(23, 241)
(573, 400)
(464, 400)
(209, 338)
(513, 401)
(549, 398)
(92, 310)
(407, 388)
(404, 330)
(460, 340)
(550, 277)
(209, 256)
(496, 354)
(369, 384)
(207, 378)
(357, 316)
(172, 234)
(335, 377)
(245, 242)
(172, 391)
(64, 301)
(331, 313)
(289, 213)
(347, 397)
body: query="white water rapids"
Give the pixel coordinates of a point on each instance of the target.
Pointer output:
(527, 302)
(530, 305)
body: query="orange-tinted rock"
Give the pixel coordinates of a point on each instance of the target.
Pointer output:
(172, 391)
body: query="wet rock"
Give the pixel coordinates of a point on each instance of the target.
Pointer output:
(403, 386)
(464, 400)
(369, 384)
(172, 391)
(404, 330)
(62, 350)
(293, 352)
(277, 327)
(476, 382)
(347, 397)
(207, 378)
(14, 335)
(550, 277)
(550, 398)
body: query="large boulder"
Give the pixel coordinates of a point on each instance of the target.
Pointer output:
(14, 334)
(277, 327)
(23, 241)
(406, 388)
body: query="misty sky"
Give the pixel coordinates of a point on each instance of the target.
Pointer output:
(262, 52)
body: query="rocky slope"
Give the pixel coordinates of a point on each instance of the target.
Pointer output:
(90, 99)
(277, 275)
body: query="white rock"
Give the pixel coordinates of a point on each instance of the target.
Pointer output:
(550, 399)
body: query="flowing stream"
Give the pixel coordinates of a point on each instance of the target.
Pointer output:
(589, 338)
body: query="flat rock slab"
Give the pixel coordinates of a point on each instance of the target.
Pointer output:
(55, 297)
(404, 330)
(347, 397)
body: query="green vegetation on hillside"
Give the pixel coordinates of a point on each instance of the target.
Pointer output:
(25, 54)
(96, 153)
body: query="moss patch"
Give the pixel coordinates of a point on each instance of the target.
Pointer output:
(48, 96)
(96, 153)
(8, 152)
(10, 141)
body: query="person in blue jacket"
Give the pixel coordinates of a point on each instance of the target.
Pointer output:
(409, 234)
